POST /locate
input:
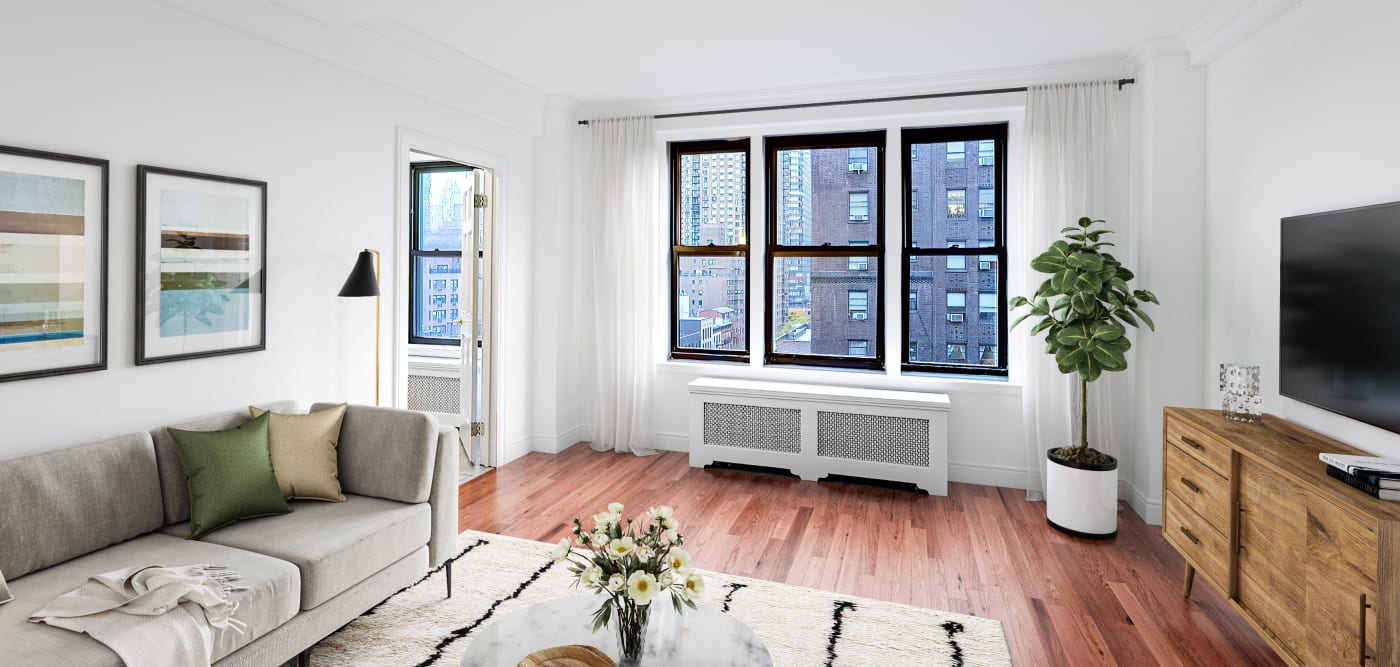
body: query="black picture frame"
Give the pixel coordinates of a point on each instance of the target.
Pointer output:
(99, 347)
(257, 249)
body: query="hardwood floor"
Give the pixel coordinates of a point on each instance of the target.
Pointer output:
(981, 550)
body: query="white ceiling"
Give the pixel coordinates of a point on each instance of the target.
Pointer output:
(645, 49)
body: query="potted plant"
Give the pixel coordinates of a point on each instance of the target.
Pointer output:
(1083, 309)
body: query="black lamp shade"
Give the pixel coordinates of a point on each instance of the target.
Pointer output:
(361, 281)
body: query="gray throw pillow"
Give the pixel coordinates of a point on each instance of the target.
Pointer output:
(4, 590)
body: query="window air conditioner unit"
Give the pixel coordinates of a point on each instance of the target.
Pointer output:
(857, 166)
(984, 266)
(858, 217)
(859, 316)
(955, 317)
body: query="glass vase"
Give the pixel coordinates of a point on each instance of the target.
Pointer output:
(1239, 386)
(631, 622)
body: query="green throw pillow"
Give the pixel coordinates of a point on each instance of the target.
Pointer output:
(229, 475)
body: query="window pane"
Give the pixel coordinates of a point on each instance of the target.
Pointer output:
(821, 192)
(986, 153)
(437, 297)
(441, 207)
(713, 198)
(957, 262)
(710, 308)
(857, 348)
(820, 304)
(956, 151)
(943, 189)
(944, 317)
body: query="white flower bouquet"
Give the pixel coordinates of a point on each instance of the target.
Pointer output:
(631, 563)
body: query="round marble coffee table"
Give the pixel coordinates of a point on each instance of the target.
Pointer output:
(699, 637)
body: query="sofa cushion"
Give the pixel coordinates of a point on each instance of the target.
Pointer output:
(386, 452)
(303, 452)
(230, 475)
(272, 599)
(64, 503)
(334, 545)
(173, 490)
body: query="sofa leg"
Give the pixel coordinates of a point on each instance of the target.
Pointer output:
(304, 658)
(449, 578)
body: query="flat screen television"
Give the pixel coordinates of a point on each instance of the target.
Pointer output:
(1339, 315)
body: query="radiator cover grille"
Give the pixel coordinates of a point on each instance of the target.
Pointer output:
(898, 440)
(435, 393)
(753, 427)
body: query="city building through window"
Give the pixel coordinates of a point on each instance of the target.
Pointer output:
(436, 217)
(709, 249)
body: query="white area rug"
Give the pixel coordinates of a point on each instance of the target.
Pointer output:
(802, 627)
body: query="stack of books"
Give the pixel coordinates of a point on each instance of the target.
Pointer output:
(1377, 476)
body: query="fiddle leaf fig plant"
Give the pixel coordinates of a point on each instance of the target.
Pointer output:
(1083, 308)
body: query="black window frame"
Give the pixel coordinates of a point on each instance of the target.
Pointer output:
(415, 251)
(677, 149)
(997, 132)
(772, 145)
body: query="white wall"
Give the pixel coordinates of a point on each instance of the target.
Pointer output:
(1300, 119)
(141, 82)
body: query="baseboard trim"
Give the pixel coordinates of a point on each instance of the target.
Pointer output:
(987, 475)
(515, 450)
(671, 442)
(1149, 510)
(547, 444)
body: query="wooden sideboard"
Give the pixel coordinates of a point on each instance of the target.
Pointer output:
(1311, 563)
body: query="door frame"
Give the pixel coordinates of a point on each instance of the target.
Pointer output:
(408, 140)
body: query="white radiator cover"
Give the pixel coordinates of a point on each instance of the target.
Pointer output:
(818, 430)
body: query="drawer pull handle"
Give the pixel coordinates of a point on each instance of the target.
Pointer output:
(1190, 485)
(1363, 657)
(1189, 536)
(1191, 443)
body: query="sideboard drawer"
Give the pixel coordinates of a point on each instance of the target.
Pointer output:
(1203, 546)
(1202, 447)
(1200, 488)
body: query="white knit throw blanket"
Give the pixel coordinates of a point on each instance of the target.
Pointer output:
(151, 616)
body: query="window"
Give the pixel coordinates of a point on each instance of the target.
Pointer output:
(823, 275)
(709, 249)
(957, 203)
(857, 348)
(914, 153)
(944, 335)
(439, 206)
(858, 159)
(957, 152)
(914, 200)
(860, 206)
(913, 301)
(986, 203)
(957, 262)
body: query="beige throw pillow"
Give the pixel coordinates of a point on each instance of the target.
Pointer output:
(303, 453)
(4, 590)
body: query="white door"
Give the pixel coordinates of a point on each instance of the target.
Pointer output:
(475, 321)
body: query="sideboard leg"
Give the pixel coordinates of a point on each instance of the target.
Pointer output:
(1190, 579)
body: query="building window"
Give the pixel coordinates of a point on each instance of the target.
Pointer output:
(938, 253)
(858, 159)
(913, 302)
(709, 249)
(824, 277)
(437, 210)
(914, 153)
(957, 262)
(857, 348)
(914, 200)
(860, 206)
(957, 152)
(957, 203)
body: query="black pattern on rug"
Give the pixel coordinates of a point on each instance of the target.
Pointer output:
(490, 611)
(430, 573)
(729, 597)
(952, 628)
(838, 612)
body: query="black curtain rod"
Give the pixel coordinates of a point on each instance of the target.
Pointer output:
(869, 100)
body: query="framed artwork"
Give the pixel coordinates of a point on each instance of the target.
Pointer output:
(201, 270)
(53, 264)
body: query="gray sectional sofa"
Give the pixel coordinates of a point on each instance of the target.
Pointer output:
(71, 513)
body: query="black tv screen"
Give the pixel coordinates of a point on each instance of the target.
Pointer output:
(1339, 317)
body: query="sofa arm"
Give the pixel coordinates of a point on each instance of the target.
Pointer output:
(443, 498)
(386, 452)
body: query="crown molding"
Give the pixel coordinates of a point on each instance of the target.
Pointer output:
(1016, 77)
(1229, 24)
(1152, 49)
(360, 38)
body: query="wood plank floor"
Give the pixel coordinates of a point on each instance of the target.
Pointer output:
(981, 550)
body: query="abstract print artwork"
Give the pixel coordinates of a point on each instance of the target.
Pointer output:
(202, 273)
(53, 264)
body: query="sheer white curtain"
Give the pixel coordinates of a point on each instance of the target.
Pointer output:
(1076, 167)
(623, 217)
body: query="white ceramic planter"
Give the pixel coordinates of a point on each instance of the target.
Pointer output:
(1082, 500)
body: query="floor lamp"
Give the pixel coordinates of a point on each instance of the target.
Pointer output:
(364, 281)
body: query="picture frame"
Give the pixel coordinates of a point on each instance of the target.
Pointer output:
(201, 265)
(53, 263)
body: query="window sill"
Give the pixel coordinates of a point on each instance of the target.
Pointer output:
(939, 382)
